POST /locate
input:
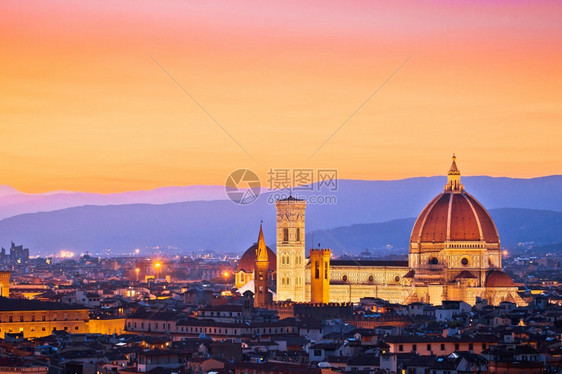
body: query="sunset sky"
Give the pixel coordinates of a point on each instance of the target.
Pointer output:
(85, 107)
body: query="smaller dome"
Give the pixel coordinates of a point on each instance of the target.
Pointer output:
(498, 278)
(248, 260)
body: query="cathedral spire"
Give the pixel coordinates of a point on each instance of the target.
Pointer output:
(261, 250)
(454, 177)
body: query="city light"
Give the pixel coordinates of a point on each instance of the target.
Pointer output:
(65, 254)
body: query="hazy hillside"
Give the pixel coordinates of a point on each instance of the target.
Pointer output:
(357, 201)
(13, 202)
(224, 226)
(514, 225)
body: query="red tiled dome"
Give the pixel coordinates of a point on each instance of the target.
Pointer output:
(454, 216)
(498, 278)
(248, 259)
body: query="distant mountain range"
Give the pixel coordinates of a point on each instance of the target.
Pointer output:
(101, 221)
(515, 226)
(13, 202)
(386, 199)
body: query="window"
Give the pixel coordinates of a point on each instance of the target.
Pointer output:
(442, 346)
(397, 279)
(414, 347)
(316, 270)
(400, 348)
(429, 347)
(470, 347)
(43, 318)
(21, 318)
(344, 278)
(371, 279)
(75, 327)
(298, 234)
(464, 261)
(456, 346)
(483, 345)
(325, 270)
(285, 235)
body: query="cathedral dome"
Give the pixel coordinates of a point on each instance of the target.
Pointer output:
(248, 259)
(454, 215)
(498, 278)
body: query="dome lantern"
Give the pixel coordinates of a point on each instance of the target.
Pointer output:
(454, 177)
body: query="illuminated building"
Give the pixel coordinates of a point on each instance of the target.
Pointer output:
(455, 254)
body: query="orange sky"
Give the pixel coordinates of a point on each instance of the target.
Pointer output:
(84, 107)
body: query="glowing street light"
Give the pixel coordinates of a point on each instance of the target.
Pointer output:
(158, 265)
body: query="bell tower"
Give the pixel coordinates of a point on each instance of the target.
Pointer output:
(261, 273)
(5, 283)
(320, 275)
(290, 249)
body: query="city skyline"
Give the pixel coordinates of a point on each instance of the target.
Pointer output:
(95, 96)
